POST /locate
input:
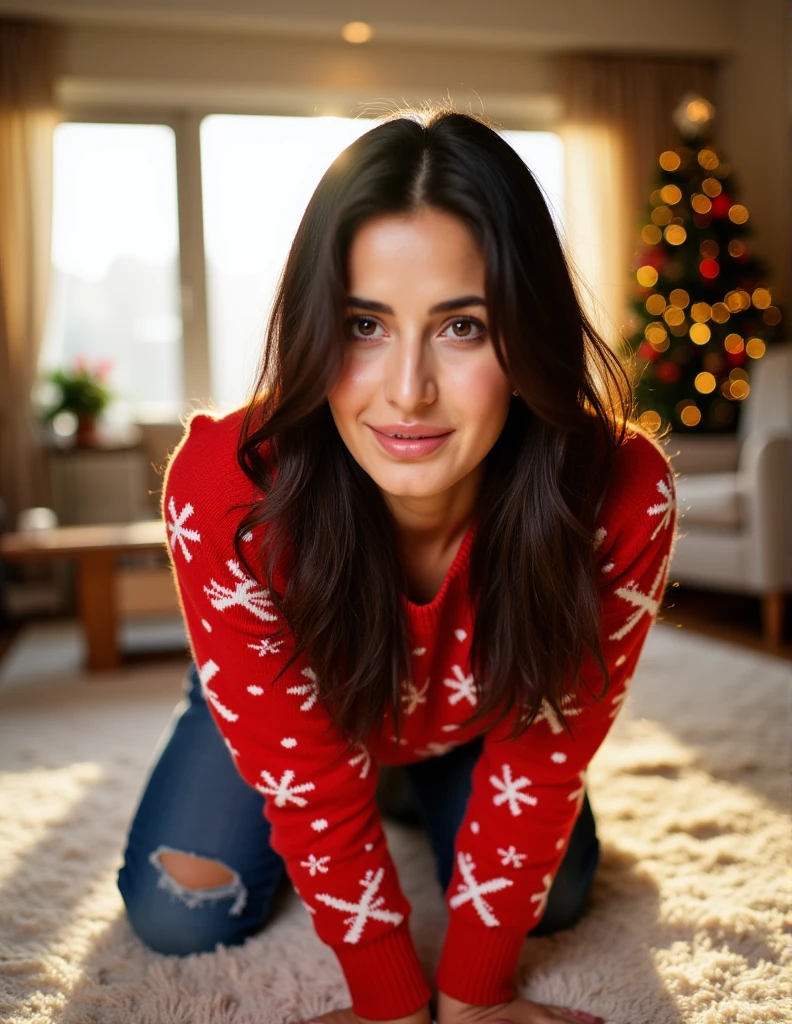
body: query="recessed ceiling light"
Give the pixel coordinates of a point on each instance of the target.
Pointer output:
(357, 32)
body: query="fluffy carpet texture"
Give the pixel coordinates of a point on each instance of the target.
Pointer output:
(690, 912)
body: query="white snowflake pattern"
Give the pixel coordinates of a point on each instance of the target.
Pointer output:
(179, 533)
(319, 824)
(283, 790)
(411, 696)
(435, 749)
(645, 604)
(540, 898)
(363, 757)
(316, 864)
(599, 537)
(547, 714)
(245, 593)
(206, 673)
(511, 791)
(308, 690)
(266, 646)
(368, 908)
(418, 651)
(665, 508)
(511, 856)
(464, 687)
(472, 891)
(618, 701)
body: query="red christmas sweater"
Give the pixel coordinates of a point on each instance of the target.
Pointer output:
(320, 796)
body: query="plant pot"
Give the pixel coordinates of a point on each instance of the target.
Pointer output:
(86, 433)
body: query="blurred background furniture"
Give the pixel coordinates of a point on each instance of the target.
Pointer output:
(734, 496)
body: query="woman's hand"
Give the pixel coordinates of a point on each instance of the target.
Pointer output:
(518, 1011)
(349, 1016)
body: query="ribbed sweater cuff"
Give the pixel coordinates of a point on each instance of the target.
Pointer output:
(385, 977)
(477, 964)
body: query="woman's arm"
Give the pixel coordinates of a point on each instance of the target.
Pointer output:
(320, 797)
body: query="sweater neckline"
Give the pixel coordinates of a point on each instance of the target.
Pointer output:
(425, 616)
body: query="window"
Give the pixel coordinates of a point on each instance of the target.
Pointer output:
(115, 262)
(258, 174)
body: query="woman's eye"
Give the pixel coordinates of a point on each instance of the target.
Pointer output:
(368, 325)
(469, 325)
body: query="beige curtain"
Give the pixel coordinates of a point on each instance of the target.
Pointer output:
(617, 120)
(27, 119)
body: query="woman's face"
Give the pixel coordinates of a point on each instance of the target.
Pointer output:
(411, 367)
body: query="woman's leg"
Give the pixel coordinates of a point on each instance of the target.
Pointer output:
(441, 787)
(198, 867)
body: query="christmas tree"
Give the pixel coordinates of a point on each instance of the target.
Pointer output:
(701, 310)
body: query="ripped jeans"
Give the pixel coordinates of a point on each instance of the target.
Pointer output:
(195, 802)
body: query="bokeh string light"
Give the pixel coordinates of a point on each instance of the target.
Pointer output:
(701, 309)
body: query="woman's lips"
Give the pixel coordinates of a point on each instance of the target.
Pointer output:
(410, 448)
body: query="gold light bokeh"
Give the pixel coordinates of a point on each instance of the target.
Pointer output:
(655, 304)
(679, 297)
(700, 203)
(675, 234)
(662, 215)
(761, 298)
(647, 276)
(709, 249)
(690, 415)
(650, 420)
(733, 343)
(772, 315)
(701, 311)
(739, 389)
(655, 333)
(700, 334)
(651, 234)
(669, 160)
(738, 374)
(357, 32)
(736, 248)
(673, 316)
(708, 159)
(720, 313)
(705, 382)
(712, 187)
(755, 348)
(671, 194)
(738, 214)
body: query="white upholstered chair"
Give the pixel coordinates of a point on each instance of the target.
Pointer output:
(734, 497)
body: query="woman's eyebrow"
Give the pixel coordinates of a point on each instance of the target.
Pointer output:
(441, 307)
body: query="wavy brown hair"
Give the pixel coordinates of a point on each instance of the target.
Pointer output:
(532, 579)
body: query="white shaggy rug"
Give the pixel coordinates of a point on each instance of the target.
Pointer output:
(690, 912)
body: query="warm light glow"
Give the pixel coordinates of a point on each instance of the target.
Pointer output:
(708, 159)
(690, 415)
(655, 304)
(650, 420)
(709, 248)
(357, 32)
(755, 348)
(662, 215)
(738, 374)
(656, 334)
(772, 315)
(733, 343)
(673, 316)
(675, 234)
(739, 389)
(679, 297)
(651, 234)
(700, 334)
(705, 382)
(700, 203)
(761, 298)
(738, 214)
(671, 194)
(701, 311)
(712, 187)
(647, 276)
(736, 248)
(669, 160)
(720, 313)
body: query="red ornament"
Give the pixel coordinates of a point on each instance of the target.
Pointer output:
(736, 358)
(721, 205)
(709, 269)
(645, 351)
(668, 373)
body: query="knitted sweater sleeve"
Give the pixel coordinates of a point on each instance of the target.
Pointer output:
(527, 793)
(319, 794)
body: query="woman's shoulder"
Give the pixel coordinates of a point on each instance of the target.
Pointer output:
(203, 470)
(642, 476)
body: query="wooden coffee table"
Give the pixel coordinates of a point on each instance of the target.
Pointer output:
(96, 549)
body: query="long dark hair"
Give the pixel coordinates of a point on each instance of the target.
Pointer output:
(532, 580)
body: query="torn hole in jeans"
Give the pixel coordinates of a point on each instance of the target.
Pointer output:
(193, 898)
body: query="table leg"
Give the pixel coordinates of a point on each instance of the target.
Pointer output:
(97, 603)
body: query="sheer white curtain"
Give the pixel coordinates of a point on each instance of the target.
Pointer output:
(27, 121)
(617, 120)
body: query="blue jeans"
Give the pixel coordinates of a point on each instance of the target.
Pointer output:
(195, 801)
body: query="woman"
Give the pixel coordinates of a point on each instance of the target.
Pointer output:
(438, 486)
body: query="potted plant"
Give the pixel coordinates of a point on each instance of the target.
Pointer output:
(78, 395)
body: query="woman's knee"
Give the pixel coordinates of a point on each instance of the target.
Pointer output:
(181, 903)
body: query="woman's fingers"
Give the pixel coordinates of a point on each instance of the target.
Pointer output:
(578, 1015)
